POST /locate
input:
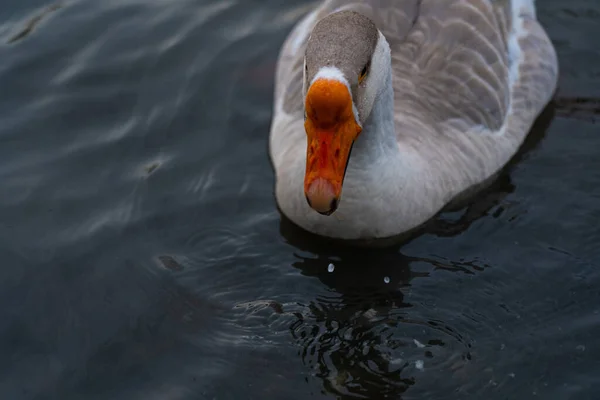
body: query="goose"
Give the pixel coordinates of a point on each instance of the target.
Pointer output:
(387, 112)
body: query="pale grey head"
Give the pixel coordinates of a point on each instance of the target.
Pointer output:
(345, 40)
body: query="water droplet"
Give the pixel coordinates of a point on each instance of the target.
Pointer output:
(331, 268)
(419, 364)
(386, 279)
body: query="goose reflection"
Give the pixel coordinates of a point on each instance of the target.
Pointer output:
(342, 335)
(362, 339)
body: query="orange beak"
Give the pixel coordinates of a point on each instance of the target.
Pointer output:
(331, 130)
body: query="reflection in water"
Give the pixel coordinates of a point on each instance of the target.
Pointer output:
(345, 337)
(585, 109)
(363, 339)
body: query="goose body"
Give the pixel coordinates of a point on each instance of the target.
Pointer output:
(388, 110)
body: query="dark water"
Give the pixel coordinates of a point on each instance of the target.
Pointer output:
(143, 256)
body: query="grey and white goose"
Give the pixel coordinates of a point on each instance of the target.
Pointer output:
(386, 111)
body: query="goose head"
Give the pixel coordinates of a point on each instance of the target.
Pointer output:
(345, 66)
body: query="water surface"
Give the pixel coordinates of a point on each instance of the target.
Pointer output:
(143, 256)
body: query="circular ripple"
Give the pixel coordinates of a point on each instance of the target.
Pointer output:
(371, 335)
(365, 345)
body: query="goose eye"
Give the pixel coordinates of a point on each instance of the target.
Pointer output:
(363, 73)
